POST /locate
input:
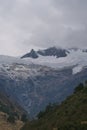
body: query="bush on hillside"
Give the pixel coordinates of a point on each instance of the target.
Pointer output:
(11, 119)
(79, 88)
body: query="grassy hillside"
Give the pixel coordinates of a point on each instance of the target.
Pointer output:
(10, 114)
(4, 125)
(9, 106)
(70, 115)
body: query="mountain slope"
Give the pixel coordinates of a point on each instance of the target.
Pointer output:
(4, 125)
(9, 106)
(33, 83)
(70, 115)
(33, 87)
(10, 114)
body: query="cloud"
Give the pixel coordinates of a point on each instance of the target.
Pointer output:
(26, 24)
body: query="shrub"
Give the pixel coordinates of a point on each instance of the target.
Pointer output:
(11, 119)
(79, 88)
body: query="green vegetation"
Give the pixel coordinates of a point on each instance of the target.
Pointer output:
(11, 119)
(70, 115)
(10, 111)
(13, 111)
(79, 88)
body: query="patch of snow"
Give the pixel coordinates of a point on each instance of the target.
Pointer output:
(77, 69)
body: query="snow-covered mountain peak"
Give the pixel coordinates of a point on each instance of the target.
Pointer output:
(52, 51)
(74, 57)
(23, 67)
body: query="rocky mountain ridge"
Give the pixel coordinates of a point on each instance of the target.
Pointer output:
(52, 51)
(33, 83)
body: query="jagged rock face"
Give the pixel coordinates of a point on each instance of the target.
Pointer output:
(53, 51)
(33, 87)
(32, 54)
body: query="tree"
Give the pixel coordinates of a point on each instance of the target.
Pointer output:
(79, 87)
(41, 114)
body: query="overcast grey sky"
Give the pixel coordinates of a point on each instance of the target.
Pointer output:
(26, 24)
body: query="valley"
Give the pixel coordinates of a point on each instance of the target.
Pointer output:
(33, 83)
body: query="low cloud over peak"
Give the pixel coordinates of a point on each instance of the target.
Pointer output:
(26, 24)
